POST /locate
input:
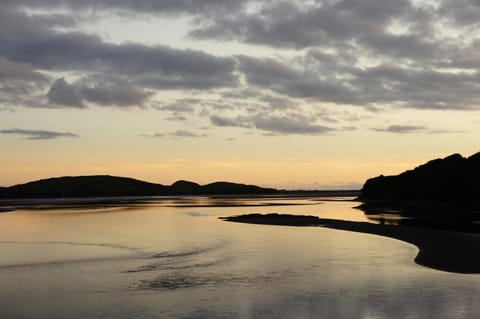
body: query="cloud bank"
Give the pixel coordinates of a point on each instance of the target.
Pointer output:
(373, 55)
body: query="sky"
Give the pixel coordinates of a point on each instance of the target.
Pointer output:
(312, 94)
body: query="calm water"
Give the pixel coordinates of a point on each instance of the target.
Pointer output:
(173, 258)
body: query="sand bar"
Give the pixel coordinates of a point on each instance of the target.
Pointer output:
(438, 249)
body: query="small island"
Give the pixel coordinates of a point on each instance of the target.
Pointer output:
(106, 186)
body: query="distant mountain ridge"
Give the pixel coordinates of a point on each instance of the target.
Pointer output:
(106, 185)
(451, 179)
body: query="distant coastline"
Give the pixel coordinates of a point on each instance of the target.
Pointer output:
(115, 186)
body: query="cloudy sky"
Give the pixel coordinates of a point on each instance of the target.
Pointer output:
(291, 94)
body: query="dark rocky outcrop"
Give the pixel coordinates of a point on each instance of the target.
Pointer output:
(441, 194)
(451, 179)
(275, 219)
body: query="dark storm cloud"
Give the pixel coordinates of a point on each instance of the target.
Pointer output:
(12, 71)
(413, 63)
(295, 82)
(17, 25)
(63, 93)
(21, 82)
(117, 94)
(418, 88)
(300, 24)
(113, 94)
(467, 59)
(37, 134)
(370, 53)
(367, 26)
(363, 25)
(159, 67)
(401, 46)
(32, 45)
(461, 12)
(383, 84)
(165, 7)
(284, 78)
(17, 79)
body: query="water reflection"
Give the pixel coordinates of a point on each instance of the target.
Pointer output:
(446, 216)
(173, 258)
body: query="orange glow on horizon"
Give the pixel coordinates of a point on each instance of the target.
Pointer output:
(289, 174)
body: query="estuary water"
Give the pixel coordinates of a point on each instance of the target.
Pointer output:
(174, 258)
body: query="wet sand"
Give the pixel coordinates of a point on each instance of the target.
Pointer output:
(438, 249)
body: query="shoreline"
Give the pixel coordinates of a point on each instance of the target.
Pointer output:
(65, 202)
(449, 251)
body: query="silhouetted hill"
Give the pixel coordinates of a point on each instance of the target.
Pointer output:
(84, 186)
(105, 186)
(226, 188)
(184, 188)
(451, 179)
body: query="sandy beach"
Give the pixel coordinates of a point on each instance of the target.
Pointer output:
(438, 249)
